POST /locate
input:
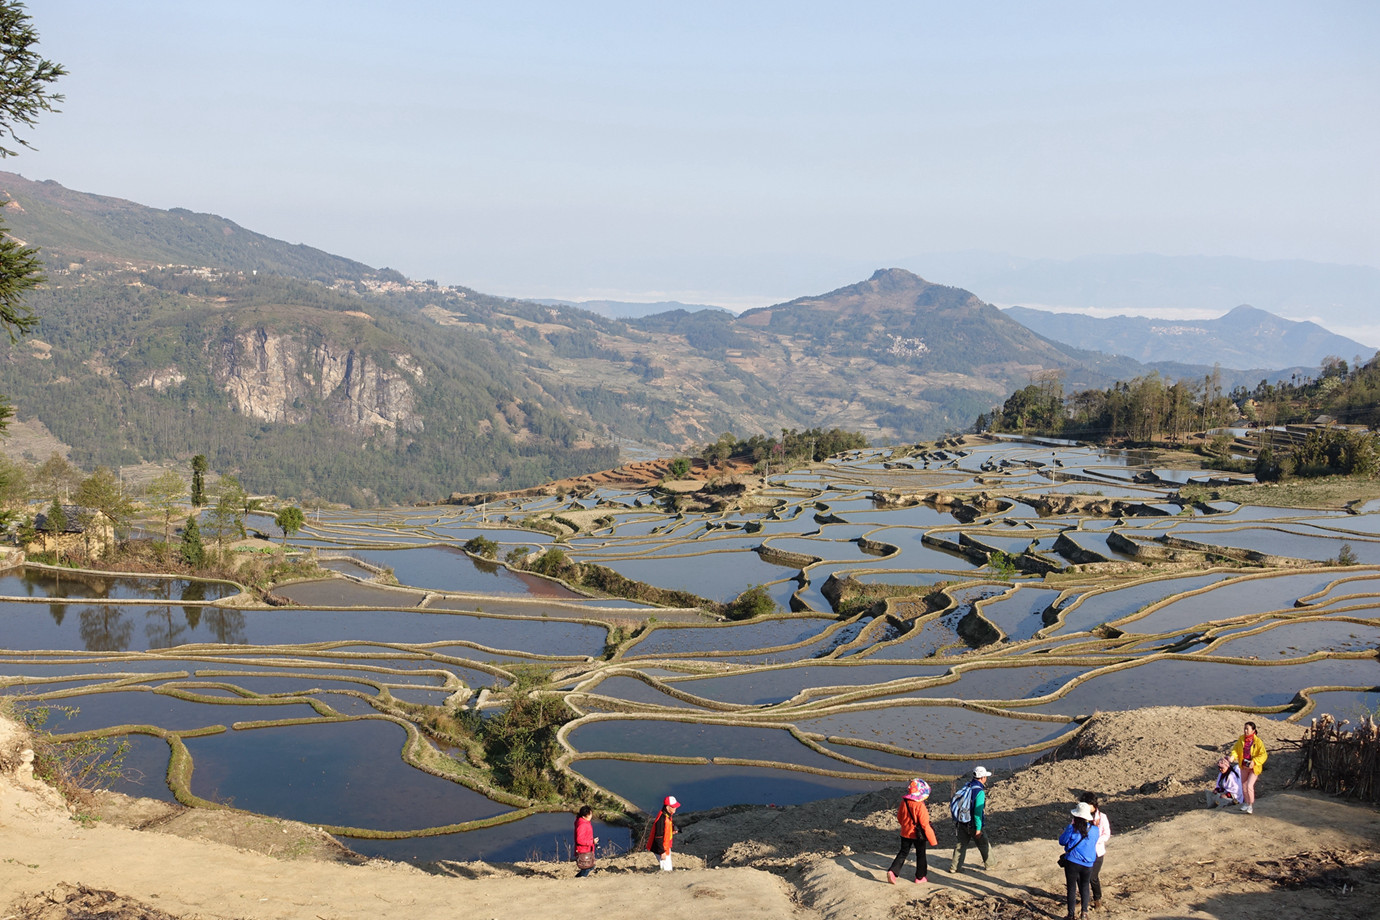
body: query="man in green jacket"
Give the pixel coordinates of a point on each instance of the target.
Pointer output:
(972, 831)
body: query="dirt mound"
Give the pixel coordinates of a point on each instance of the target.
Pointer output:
(77, 902)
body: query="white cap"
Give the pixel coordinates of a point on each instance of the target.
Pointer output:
(982, 773)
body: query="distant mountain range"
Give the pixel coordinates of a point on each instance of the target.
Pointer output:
(1245, 337)
(166, 334)
(627, 309)
(1164, 285)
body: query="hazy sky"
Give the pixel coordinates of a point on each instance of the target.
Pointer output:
(737, 153)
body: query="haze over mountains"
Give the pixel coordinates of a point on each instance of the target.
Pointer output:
(1244, 337)
(170, 333)
(1178, 286)
(626, 309)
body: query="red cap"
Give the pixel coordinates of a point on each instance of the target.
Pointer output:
(670, 802)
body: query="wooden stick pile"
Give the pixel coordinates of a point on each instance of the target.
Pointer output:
(1340, 761)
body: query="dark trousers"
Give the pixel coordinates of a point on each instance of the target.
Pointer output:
(584, 873)
(1078, 880)
(1095, 880)
(922, 866)
(967, 838)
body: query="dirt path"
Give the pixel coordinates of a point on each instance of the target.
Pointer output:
(1299, 856)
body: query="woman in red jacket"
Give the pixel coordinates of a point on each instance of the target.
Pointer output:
(585, 841)
(914, 816)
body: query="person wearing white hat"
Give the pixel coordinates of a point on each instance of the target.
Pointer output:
(1104, 833)
(1079, 841)
(968, 808)
(663, 829)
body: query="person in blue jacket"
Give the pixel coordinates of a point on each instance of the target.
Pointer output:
(1079, 841)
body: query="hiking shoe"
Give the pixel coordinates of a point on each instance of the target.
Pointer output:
(891, 876)
(1097, 902)
(1248, 809)
(922, 880)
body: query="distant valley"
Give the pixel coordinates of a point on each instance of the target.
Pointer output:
(170, 333)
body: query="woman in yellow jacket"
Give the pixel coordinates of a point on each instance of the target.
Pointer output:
(1249, 751)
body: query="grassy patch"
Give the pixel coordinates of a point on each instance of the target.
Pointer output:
(74, 768)
(1324, 492)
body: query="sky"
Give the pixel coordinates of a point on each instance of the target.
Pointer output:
(735, 153)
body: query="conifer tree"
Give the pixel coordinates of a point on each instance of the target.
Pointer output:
(193, 553)
(24, 94)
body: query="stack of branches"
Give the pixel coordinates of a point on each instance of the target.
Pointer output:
(1340, 761)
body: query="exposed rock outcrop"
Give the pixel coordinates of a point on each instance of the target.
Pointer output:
(279, 378)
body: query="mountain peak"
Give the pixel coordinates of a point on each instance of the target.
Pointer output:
(896, 279)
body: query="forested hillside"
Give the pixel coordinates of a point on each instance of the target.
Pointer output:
(1150, 407)
(128, 367)
(166, 334)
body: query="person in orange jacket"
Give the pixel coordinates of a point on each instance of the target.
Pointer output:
(914, 816)
(663, 829)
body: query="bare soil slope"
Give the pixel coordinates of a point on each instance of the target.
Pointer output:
(1300, 854)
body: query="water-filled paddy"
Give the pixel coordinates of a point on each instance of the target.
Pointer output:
(765, 687)
(322, 773)
(670, 640)
(1241, 597)
(346, 774)
(702, 786)
(936, 729)
(694, 739)
(539, 836)
(1297, 639)
(635, 691)
(58, 583)
(108, 627)
(718, 576)
(1189, 682)
(1114, 604)
(134, 707)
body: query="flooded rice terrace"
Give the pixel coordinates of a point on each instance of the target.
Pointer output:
(1075, 583)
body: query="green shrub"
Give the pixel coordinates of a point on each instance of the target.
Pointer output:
(754, 602)
(482, 546)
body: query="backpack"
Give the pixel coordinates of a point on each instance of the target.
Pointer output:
(961, 804)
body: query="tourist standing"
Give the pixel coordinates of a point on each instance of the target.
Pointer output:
(663, 829)
(1104, 832)
(1227, 790)
(585, 842)
(1079, 841)
(968, 809)
(914, 817)
(1249, 752)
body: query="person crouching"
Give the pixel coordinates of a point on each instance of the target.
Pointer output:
(1227, 790)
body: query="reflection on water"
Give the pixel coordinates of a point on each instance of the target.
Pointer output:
(413, 644)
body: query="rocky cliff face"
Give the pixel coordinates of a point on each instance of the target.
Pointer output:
(279, 378)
